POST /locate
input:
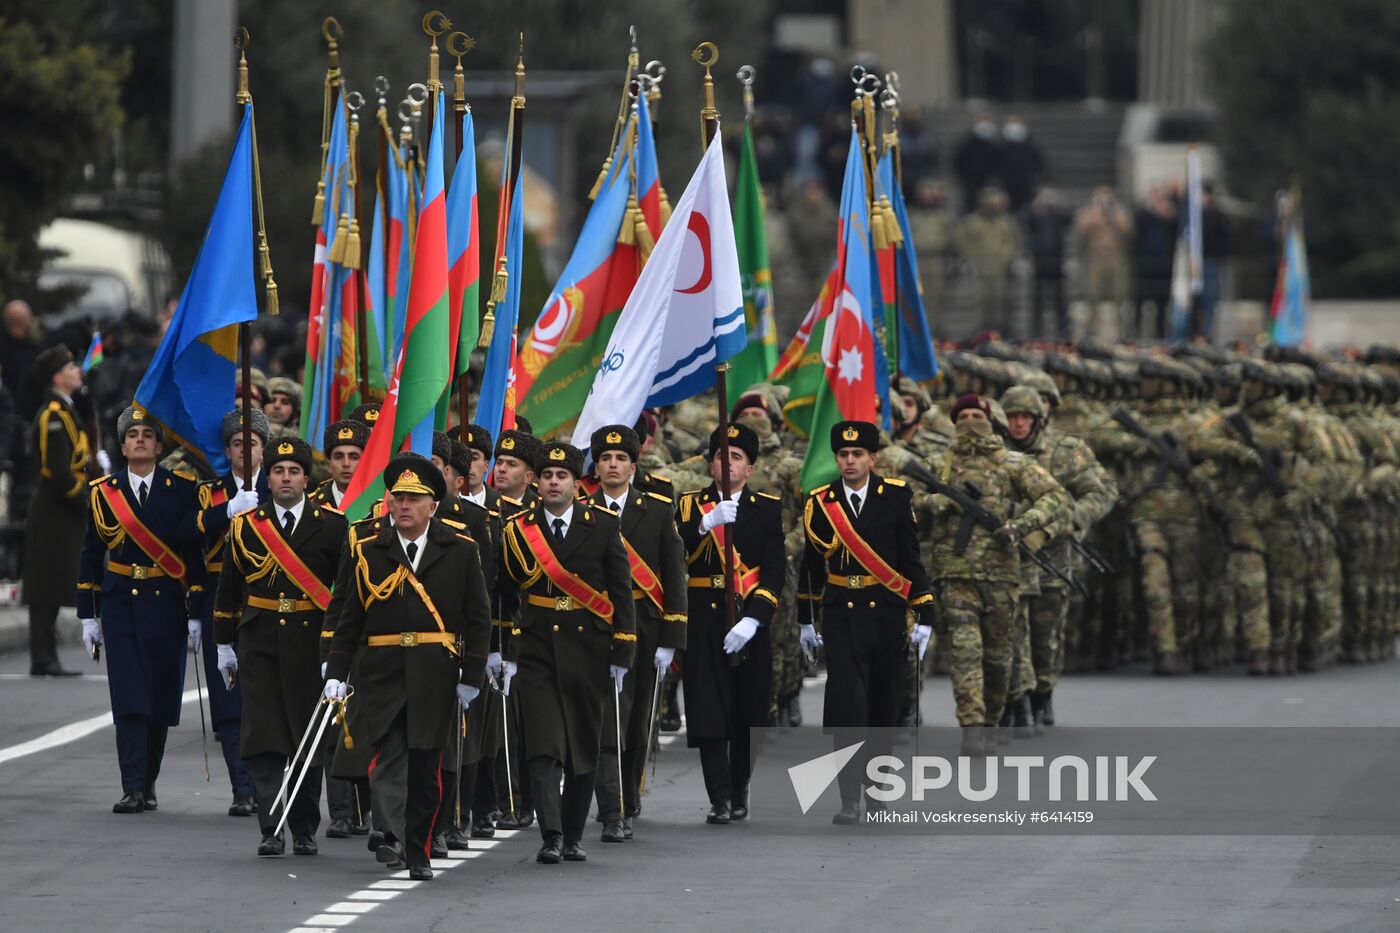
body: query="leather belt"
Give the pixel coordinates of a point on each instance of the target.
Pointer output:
(135, 571)
(853, 581)
(715, 582)
(557, 603)
(281, 605)
(410, 639)
(638, 594)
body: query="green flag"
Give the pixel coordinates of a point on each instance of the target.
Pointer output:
(756, 361)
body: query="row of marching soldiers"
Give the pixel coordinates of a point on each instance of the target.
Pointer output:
(1030, 469)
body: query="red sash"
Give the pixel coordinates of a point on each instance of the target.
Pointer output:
(287, 559)
(643, 576)
(745, 579)
(218, 495)
(580, 592)
(889, 578)
(156, 549)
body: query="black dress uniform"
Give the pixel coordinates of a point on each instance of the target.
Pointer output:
(723, 700)
(648, 525)
(265, 608)
(57, 518)
(565, 650)
(141, 603)
(404, 649)
(225, 703)
(861, 563)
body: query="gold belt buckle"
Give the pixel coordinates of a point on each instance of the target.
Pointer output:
(563, 603)
(286, 605)
(854, 582)
(717, 581)
(408, 639)
(138, 572)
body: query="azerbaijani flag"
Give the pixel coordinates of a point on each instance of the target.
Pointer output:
(757, 359)
(563, 350)
(464, 263)
(848, 350)
(422, 370)
(94, 355)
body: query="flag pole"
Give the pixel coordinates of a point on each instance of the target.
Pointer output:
(706, 55)
(241, 39)
(354, 248)
(514, 133)
(458, 45)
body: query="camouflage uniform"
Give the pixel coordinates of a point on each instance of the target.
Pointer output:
(977, 588)
(1092, 495)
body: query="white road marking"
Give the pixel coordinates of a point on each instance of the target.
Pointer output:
(351, 907)
(72, 732)
(374, 895)
(31, 677)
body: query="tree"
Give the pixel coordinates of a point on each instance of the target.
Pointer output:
(1311, 92)
(59, 95)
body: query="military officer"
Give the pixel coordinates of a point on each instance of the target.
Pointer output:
(861, 563)
(514, 473)
(728, 671)
(418, 614)
(659, 597)
(140, 560)
(344, 443)
(564, 567)
(273, 589)
(219, 501)
(57, 517)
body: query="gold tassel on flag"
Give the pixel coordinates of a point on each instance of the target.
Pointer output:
(352, 246)
(602, 177)
(892, 232)
(645, 242)
(318, 206)
(342, 235)
(878, 237)
(627, 233)
(665, 207)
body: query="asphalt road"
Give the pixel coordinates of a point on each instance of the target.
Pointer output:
(66, 862)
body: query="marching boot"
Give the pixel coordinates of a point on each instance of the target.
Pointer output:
(132, 802)
(1050, 708)
(550, 853)
(1001, 735)
(973, 742)
(671, 713)
(1021, 718)
(739, 809)
(438, 847)
(272, 846)
(794, 710)
(719, 814)
(1276, 666)
(1038, 712)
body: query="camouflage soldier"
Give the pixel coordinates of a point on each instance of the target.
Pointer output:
(1073, 465)
(283, 406)
(976, 584)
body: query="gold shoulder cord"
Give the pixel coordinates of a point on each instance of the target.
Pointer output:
(112, 533)
(371, 592)
(826, 547)
(531, 573)
(256, 566)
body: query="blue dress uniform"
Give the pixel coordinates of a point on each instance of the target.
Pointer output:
(225, 703)
(141, 605)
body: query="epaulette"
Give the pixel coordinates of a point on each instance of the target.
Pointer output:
(818, 491)
(453, 523)
(185, 474)
(657, 495)
(55, 405)
(659, 477)
(769, 495)
(891, 481)
(100, 480)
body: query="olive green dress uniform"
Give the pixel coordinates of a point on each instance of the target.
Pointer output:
(564, 652)
(55, 525)
(404, 661)
(648, 523)
(276, 628)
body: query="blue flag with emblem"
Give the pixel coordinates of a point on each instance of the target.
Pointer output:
(190, 384)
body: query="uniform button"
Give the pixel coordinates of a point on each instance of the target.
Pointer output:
(157, 592)
(712, 605)
(281, 621)
(133, 591)
(850, 605)
(872, 604)
(556, 628)
(281, 595)
(306, 624)
(580, 628)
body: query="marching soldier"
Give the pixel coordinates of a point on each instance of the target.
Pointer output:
(344, 443)
(273, 590)
(861, 563)
(977, 572)
(728, 671)
(140, 559)
(514, 474)
(657, 563)
(415, 625)
(564, 567)
(57, 518)
(219, 501)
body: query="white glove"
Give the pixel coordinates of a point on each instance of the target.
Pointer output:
(228, 665)
(724, 512)
(92, 634)
(242, 501)
(810, 641)
(508, 668)
(196, 629)
(617, 674)
(335, 690)
(920, 638)
(737, 637)
(466, 693)
(104, 462)
(323, 669)
(494, 664)
(664, 657)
